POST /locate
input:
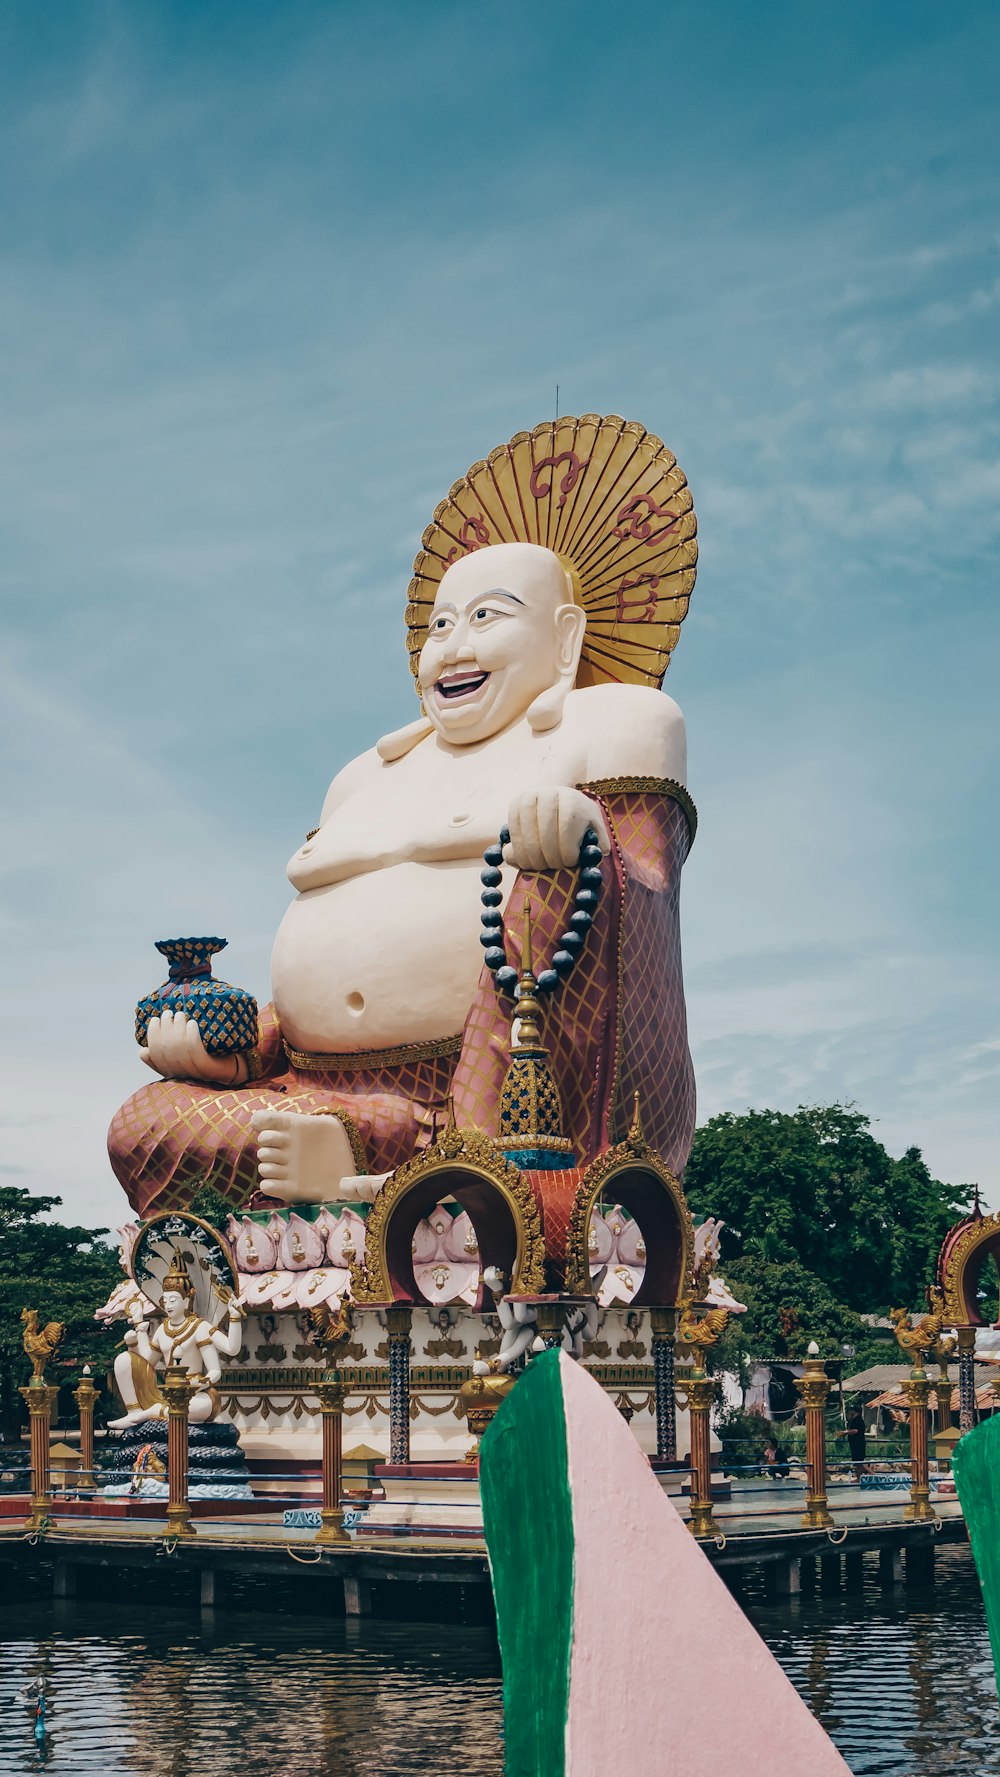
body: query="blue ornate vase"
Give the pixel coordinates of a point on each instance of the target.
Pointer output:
(225, 1016)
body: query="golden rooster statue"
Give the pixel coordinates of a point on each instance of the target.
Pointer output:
(696, 1332)
(40, 1346)
(331, 1330)
(918, 1340)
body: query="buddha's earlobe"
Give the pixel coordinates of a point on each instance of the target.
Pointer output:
(403, 740)
(547, 709)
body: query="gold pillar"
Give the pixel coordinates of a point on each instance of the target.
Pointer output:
(332, 1393)
(814, 1385)
(916, 1390)
(40, 1397)
(177, 1388)
(85, 1396)
(942, 1393)
(699, 1388)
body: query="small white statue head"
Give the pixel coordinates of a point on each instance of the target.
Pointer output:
(178, 1289)
(493, 1278)
(503, 642)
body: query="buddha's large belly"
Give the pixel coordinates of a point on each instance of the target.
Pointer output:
(387, 958)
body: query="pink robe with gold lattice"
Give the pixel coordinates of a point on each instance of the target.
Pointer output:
(616, 1026)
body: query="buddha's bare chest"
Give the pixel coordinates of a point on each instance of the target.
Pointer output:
(446, 804)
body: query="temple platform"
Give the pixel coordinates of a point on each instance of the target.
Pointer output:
(425, 1573)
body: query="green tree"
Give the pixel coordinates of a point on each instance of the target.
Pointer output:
(786, 1307)
(210, 1205)
(63, 1272)
(815, 1187)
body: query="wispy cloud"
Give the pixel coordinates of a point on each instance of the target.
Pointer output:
(262, 296)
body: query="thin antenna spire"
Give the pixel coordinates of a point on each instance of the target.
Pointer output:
(557, 400)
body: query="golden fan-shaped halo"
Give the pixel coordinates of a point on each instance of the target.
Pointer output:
(609, 498)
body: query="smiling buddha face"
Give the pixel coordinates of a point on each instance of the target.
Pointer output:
(504, 631)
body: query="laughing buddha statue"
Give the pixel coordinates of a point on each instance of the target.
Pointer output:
(545, 603)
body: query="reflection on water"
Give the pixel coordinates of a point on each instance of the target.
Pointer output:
(904, 1682)
(250, 1696)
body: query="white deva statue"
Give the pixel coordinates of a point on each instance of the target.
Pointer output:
(538, 671)
(181, 1340)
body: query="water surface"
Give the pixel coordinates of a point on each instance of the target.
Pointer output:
(902, 1681)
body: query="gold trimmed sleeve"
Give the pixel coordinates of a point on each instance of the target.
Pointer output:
(646, 786)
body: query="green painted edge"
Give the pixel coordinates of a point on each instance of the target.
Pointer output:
(976, 1467)
(528, 1520)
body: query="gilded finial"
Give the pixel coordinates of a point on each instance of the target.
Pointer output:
(530, 1110)
(451, 1141)
(635, 1133)
(527, 1009)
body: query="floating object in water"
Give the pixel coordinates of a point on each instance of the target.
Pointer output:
(27, 1697)
(611, 1616)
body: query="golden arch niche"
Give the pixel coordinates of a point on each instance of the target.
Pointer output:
(965, 1253)
(634, 1176)
(494, 1194)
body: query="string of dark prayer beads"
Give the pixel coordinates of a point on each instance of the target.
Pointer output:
(588, 894)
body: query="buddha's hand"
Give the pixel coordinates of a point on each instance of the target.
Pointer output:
(547, 828)
(302, 1157)
(174, 1049)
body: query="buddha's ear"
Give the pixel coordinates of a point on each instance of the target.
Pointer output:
(397, 745)
(547, 710)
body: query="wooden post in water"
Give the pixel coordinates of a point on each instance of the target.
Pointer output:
(917, 1390)
(85, 1395)
(814, 1386)
(40, 1397)
(332, 1392)
(178, 1387)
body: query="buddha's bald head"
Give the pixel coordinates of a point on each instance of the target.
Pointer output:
(503, 632)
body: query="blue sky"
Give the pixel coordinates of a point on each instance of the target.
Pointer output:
(272, 275)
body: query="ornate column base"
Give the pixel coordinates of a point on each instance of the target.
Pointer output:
(331, 1530)
(702, 1523)
(817, 1515)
